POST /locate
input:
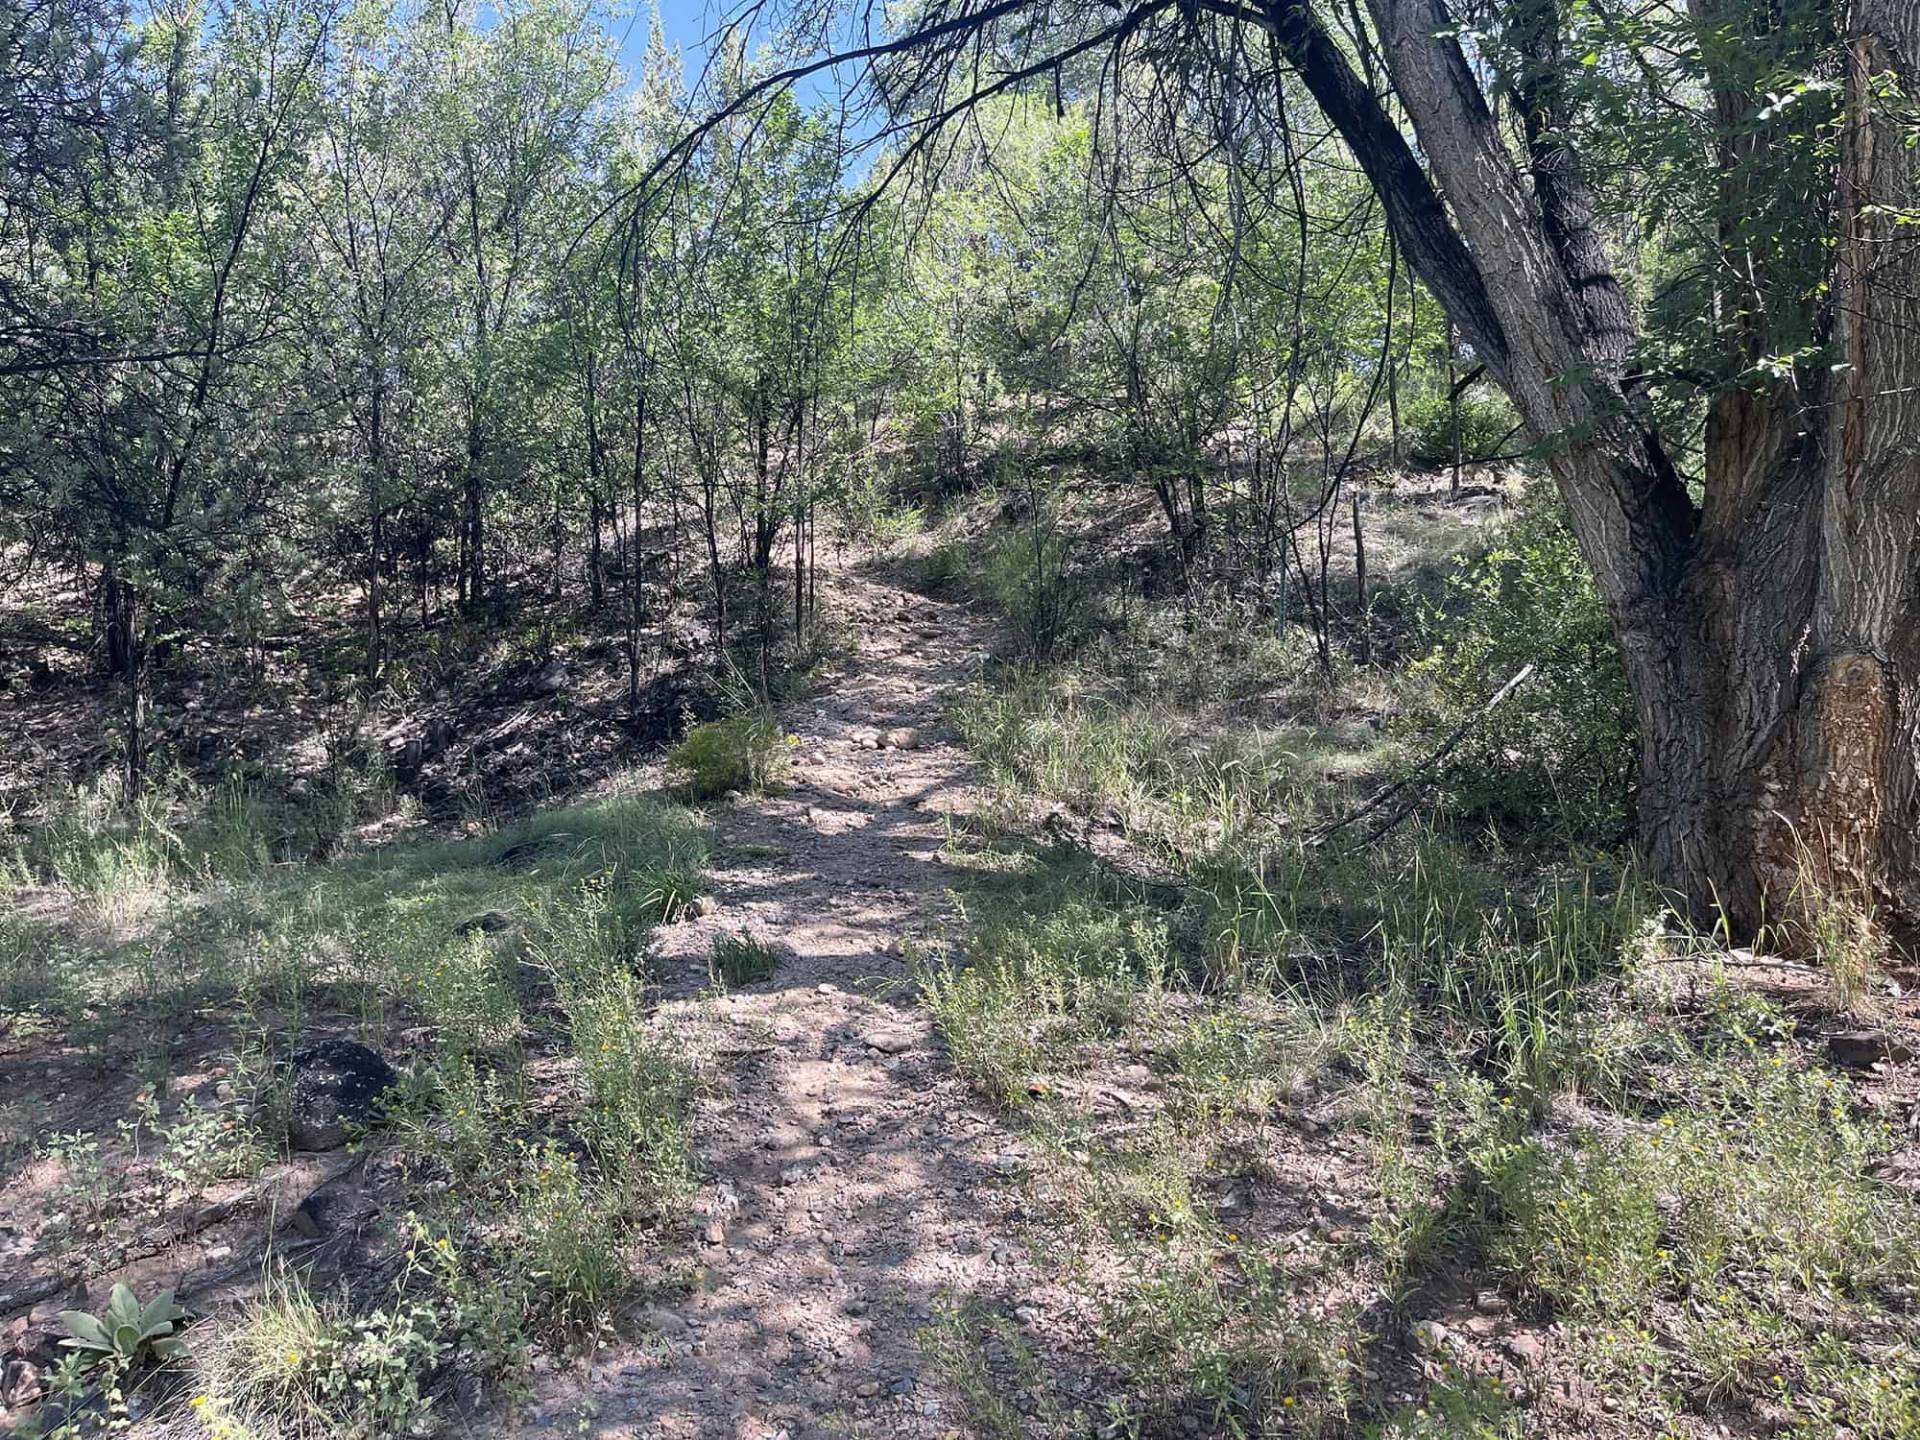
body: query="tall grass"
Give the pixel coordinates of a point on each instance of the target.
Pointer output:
(1184, 793)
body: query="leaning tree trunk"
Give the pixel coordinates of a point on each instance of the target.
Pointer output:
(1771, 634)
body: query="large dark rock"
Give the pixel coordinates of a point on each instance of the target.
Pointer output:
(337, 1085)
(1863, 1049)
(487, 922)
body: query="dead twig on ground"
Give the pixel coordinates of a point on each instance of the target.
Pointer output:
(1419, 772)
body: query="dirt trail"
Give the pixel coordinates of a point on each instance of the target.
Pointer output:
(850, 1185)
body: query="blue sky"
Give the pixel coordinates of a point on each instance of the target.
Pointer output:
(689, 24)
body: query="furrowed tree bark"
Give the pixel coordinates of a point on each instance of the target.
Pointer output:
(1771, 636)
(1842, 770)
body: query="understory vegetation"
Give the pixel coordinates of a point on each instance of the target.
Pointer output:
(539, 1149)
(1438, 1100)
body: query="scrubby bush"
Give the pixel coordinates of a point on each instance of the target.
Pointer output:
(1481, 421)
(1561, 748)
(945, 566)
(873, 514)
(1037, 972)
(298, 1366)
(745, 752)
(1031, 574)
(1735, 1236)
(636, 1089)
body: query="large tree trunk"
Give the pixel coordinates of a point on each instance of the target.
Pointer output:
(1820, 617)
(1778, 716)
(1771, 635)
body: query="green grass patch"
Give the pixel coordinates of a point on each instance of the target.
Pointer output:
(740, 959)
(536, 1195)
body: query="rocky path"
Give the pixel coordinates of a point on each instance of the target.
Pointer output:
(851, 1188)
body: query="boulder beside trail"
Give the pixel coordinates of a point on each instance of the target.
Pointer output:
(1864, 1049)
(337, 1085)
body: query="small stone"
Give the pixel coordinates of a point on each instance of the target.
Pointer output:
(219, 1252)
(903, 738)
(889, 1040)
(868, 1389)
(1003, 1254)
(20, 1384)
(1490, 1302)
(332, 1208)
(1527, 1349)
(661, 1321)
(900, 1385)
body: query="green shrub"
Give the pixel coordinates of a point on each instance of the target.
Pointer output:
(989, 1029)
(1194, 797)
(465, 987)
(1041, 968)
(947, 565)
(569, 1230)
(745, 752)
(1238, 1058)
(1561, 748)
(873, 514)
(1482, 422)
(298, 1366)
(1205, 1320)
(1460, 1406)
(956, 1344)
(636, 1116)
(1511, 971)
(666, 892)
